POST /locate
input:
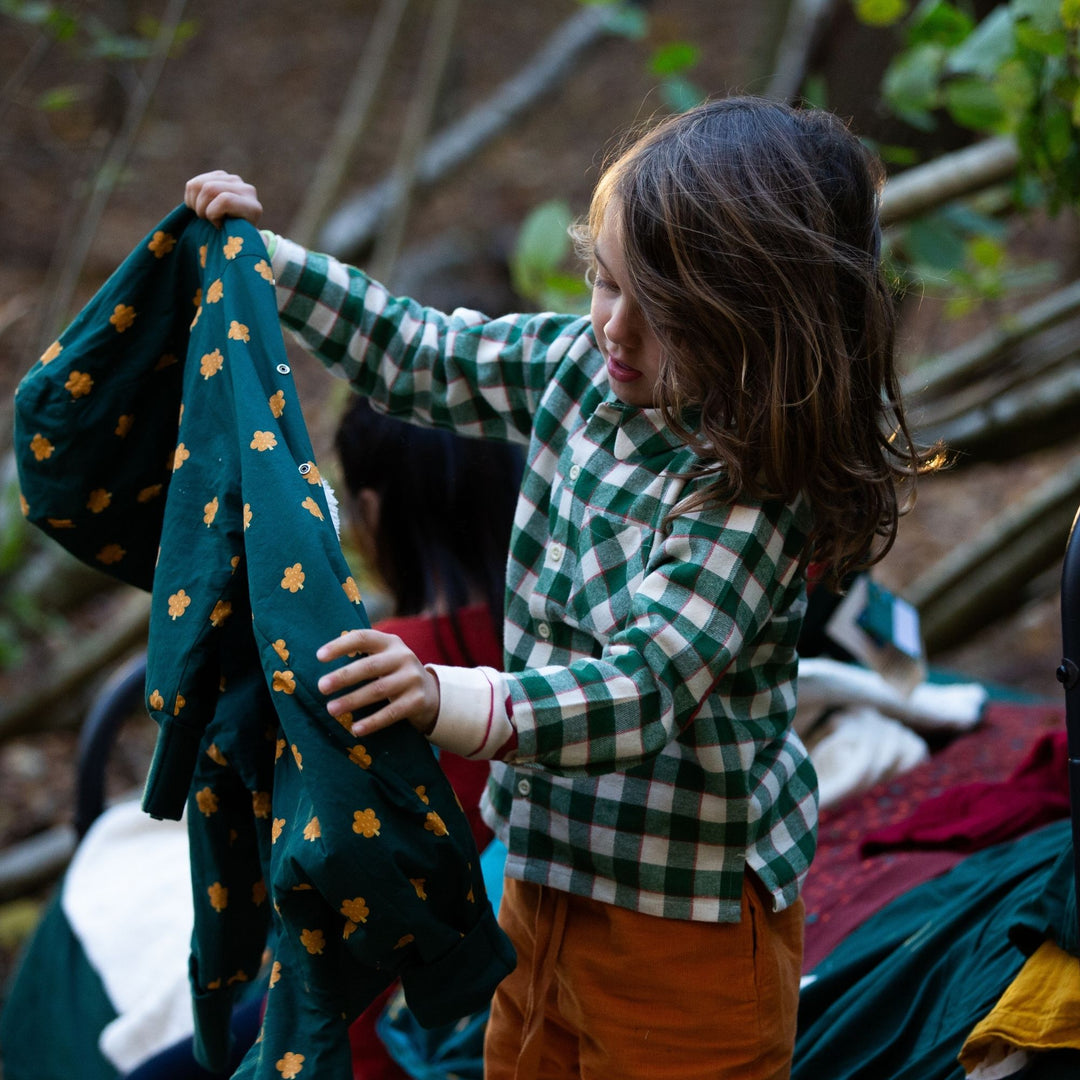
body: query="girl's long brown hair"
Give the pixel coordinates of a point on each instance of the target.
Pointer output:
(751, 240)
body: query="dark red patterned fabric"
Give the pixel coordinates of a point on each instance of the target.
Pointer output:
(843, 887)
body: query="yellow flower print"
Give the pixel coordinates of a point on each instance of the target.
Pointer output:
(348, 929)
(233, 246)
(281, 649)
(275, 973)
(260, 804)
(293, 578)
(24, 506)
(61, 523)
(214, 754)
(202, 256)
(290, 1065)
(345, 720)
(312, 830)
(215, 985)
(123, 425)
(313, 941)
(352, 590)
(359, 755)
(422, 792)
(297, 756)
(110, 553)
(279, 749)
(275, 829)
(284, 682)
(178, 604)
(210, 511)
(238, 332)
(148, 493)
(156, 700)
(418, 884)
(79, 384)
(179, 456)
(239, 977)
(215, 291)
(277, 403)
(313, 476)
(122, 317)
(365, 823)
(265, 270)
(355, 910)
(99, 499)
(198, 312)
(247, 515)
(312, 507)
(181, 701)
(210, 364)
(166, 360)
(470, 896)
(41, 447)
(234, 562)
(52, 352)
(161, 244)
(434, 824)
(222, 610)
(263, 440)
(207, 801)
(407, 939)
(219, 896)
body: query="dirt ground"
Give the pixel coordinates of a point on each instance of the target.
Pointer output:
(255, 90)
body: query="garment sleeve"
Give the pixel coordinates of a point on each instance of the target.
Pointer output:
(718, 605)
(464, 371)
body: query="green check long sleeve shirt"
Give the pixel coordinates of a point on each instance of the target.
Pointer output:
(650, 654)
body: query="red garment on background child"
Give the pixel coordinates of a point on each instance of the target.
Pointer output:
(434, 640)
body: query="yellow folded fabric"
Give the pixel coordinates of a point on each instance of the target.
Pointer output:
(1039, 1011)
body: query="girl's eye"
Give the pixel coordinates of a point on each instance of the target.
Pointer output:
(602, 283)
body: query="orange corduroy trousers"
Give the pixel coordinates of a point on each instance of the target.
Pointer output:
(603, 993)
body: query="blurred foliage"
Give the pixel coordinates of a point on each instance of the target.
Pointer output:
(544, 266)
(1014, 73)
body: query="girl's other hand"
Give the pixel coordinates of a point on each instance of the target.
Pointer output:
(389, 672)
(217, 195)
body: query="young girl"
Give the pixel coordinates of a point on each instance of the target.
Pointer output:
(728, 411)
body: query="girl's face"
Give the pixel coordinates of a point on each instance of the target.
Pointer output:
(631, 350)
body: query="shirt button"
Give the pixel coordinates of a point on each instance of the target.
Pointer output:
(575, 471)
(283, 369)
(543, 630)
(524, 787)
(556, 552)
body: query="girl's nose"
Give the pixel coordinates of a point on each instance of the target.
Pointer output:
(620, 326)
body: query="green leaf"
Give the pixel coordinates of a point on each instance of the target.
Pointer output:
(975, 104)
(899, 155)
(815, 92)
(910, 84)
(880, 12)
(933, 246)
(938, 22)
(542, 245)
(58, 98)
(986, 252)
(1058, 132)
(674, 59)
(1045, 42)
(681, 94)
(1044, 14)
(629, 20)
(987, 47)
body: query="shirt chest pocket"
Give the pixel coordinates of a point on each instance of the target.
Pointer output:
(590, 585)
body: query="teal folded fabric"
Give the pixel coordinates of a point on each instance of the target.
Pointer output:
(898, 997)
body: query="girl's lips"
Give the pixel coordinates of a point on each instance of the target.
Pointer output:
(621, 372)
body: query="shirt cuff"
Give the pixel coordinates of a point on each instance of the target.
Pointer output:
(473, 720)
